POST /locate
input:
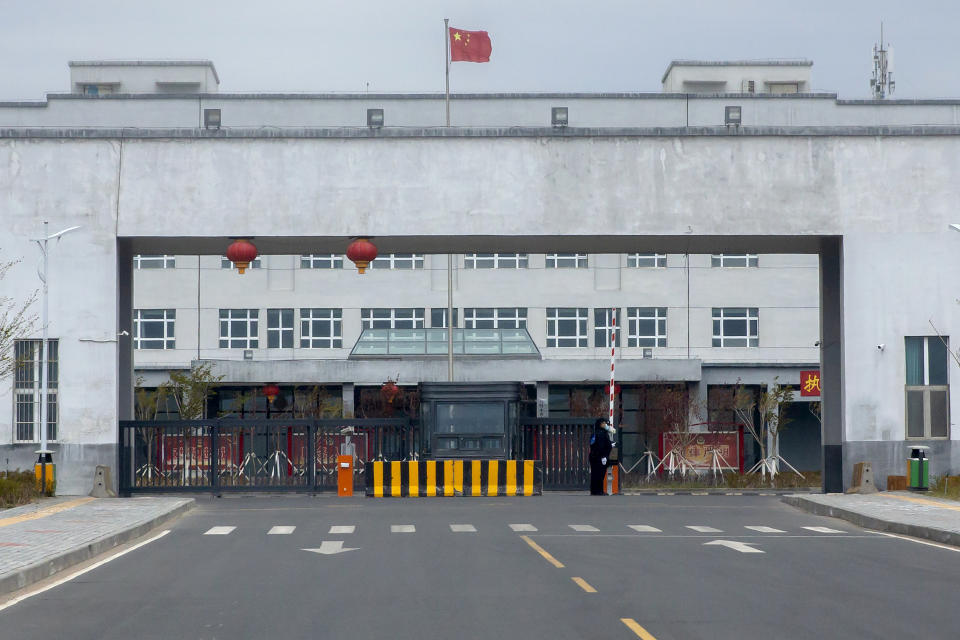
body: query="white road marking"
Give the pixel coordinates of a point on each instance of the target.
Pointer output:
(280, 531)
(402, 528)
(523, 527)
(463, 528)
(644, 528)
(331, 547)
(10, 603)
(822, 529)
(349, 528)
(219, 531)
(926, 542)
(583, 527)
(742, 547)
(763, 529)
(702, 529)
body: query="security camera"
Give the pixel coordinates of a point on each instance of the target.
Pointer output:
(880, 346)
(817, 343)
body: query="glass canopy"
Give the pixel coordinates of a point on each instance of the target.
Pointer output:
(491, 343)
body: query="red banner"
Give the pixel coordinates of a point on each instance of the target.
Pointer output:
(178, 451)
(698, 451)
(810, 383)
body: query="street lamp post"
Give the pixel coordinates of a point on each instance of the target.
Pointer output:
(45, 456)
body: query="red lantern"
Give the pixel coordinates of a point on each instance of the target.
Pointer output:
(241, 253)
(362, 252)
(271, 391)
(389, 391)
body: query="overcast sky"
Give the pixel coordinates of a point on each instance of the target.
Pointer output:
(547, 45)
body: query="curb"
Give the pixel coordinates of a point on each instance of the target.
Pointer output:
(869, 522)
(712, 492)
(44, 569)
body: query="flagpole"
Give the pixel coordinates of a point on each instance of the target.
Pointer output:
(446, 59)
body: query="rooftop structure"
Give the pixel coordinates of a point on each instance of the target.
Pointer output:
(737, 76)
(109, 77)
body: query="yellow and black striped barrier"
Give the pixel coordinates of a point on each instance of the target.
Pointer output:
(438, 478)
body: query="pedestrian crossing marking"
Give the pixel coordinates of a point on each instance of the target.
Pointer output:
(644, 528)
(219, 531)
(702, 529)
(583, 527)
(343, 528)
(463, 528)
(822, 529)
(762, 529)
(523, 527)
(402, 528)
(280, 531)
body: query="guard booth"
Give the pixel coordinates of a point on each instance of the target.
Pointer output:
(470, 420)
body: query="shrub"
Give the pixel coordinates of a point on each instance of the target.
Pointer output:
(17, 488)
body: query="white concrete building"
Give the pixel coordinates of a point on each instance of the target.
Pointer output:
(737, 76)
(601, 213)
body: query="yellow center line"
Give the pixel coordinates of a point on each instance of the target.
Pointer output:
(583, 585)
(549, 558)
(932, 503)
(637, 629)
(43, 513)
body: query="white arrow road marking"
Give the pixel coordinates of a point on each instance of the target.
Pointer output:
(330, 547)
(764, 529)
(742, 547)
(703, 529)
(644, 528)
(823, 529)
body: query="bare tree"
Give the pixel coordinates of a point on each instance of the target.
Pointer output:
(16, 320)
(192, 389)
(764, 414)
(678, 412)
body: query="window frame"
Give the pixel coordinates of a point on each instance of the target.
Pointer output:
(637, 314)
(367, 317)
(601, 327)
(252, 323)
(478, 261)
(579, 260)
(498, 318)
(330, 316)
(321, 261)
(398, 261)
(225, 263)
(145, 261)
(581, 318)
(280, 329)
(927, 390)
(659, 260)
(27, 391)
(720, 260)
(752, 319)
(168, 321)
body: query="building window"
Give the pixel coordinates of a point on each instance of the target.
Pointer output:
(154, 328)
(602, 323)
(646, 326)
(226, 264)
(239, 328)
(567, 327)
(398, 261)
(495, 261)
(391, 318)
(647, 260)
(736, 327)
(321, 328)
(154, 262)
(321, 261)
(279, 328)
(566, 261)
(928, 390)
(97, 89)
(27, 390)
(734, 260)
(495, 318)
(438, 318)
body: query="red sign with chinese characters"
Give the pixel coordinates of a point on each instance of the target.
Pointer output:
(810, 383)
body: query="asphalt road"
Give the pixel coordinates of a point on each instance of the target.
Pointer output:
(659, 581)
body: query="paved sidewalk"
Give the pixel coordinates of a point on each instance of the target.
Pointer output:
(908, 513)
(40, 539)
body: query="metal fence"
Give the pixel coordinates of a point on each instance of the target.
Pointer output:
(246, 455)
(562, 444)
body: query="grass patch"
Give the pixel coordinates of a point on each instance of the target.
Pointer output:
(729, 480)
(17, 488)
(945, 487)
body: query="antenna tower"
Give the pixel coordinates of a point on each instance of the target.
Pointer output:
(882, 84)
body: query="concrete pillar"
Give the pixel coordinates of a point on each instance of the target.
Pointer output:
(698, 411)
(543, 399)
(347, 394)
(125, 379)
(831, 362)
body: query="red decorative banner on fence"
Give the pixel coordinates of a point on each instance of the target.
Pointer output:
(698, 451)
(810, 383)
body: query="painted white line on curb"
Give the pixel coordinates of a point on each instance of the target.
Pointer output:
(73, 575)
(926, 542)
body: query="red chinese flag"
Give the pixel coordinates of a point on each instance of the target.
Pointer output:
(469, 46)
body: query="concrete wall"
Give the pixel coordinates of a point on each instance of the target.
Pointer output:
(145, 77)
(718, 77)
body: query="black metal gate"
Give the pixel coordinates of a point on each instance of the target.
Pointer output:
(562, 444)
(251, 455)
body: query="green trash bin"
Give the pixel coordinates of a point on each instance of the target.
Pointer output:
(918, 469)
